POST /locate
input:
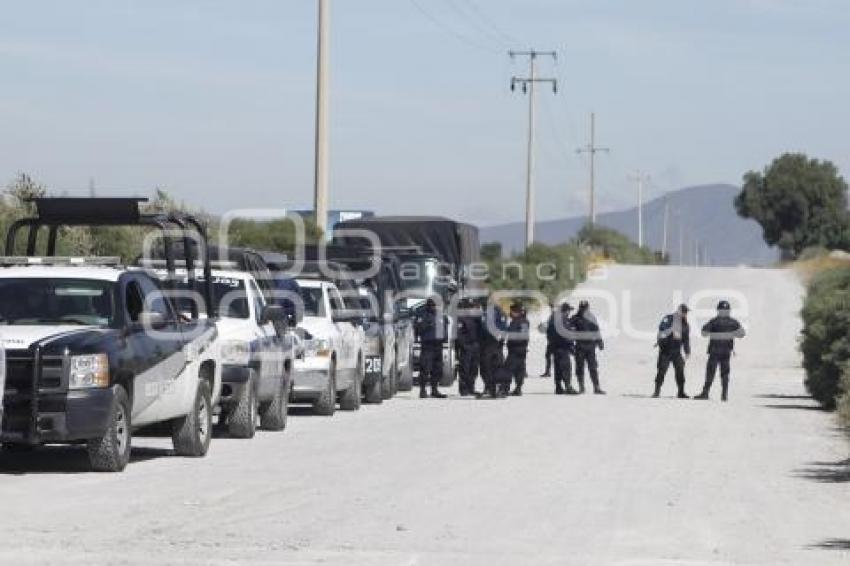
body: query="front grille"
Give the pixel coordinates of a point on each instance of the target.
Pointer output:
(27, 375)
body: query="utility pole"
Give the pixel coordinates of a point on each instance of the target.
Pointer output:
(528, 87)
(641, 178)
(592, 149)
(320, 196)
(681, 240)
(666, 221)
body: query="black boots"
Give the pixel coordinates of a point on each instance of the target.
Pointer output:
(682, 394)
(581, 387)
(517, 392)
(657, 393)
(435, 393)
(598, 391)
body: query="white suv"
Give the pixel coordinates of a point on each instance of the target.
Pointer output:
(331, 363)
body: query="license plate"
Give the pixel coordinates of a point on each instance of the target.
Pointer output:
(374, 364)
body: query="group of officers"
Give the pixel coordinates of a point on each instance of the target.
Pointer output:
(483, 332)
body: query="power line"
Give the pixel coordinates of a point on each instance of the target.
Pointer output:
(497, 31)
(474, 23)
(451, 31)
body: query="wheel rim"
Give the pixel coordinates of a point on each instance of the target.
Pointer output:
(122, 431)
(203, 418)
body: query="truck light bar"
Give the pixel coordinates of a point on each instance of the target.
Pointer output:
(99, 261)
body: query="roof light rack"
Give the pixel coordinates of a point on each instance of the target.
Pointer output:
(94, 261)
(181, 264)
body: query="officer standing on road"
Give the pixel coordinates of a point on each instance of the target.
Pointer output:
(721, 332)
(468, 345)
(432, 328)
(550, 347)
(563, 347)
(587, 338)
(673, 338)
(492, 351)
(517, 347)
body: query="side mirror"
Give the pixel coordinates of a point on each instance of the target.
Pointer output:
(272, 313)
(151, 319)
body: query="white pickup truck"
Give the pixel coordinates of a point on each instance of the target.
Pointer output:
(256, 359)
(331, 365)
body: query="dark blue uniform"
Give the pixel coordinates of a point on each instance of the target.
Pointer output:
(517, 350)
(493, 372)
(563, 348)
(673, 339)
(721, 331)
(432, 329)
(588, 339)
(468, 347)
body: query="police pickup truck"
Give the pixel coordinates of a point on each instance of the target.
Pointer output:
(94, 351)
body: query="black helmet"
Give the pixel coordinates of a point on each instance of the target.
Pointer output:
(516, 306)
(583, 305)
(683, 308)
(566, 307)
(724, 306)
(431, 303)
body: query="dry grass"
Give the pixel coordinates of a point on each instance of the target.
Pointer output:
(808, 269)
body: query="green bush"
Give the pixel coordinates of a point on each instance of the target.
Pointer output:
(611, 244)
(547, 269)
(844, 399)
(826, 334)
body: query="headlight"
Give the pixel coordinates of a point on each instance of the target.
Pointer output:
(89, 372)
(236, 352)
(317, 347)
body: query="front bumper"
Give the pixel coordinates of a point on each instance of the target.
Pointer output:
(71, 417)
(310, 378)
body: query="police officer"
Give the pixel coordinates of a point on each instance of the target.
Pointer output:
(721, 332)
(468, 345)
(517, 339)
(673, 338)
(432, 328)
(587, 338)
(563, 348)
(550, 347)
(492, 351)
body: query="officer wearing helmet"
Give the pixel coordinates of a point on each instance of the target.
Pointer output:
(673, 339)
(493, 371)
(722, 330)
(432, 329)
(587, 339)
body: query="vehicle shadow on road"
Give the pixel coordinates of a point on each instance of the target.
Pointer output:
(784, 397)
(64, 460)
(832, 544)
(827, 472)
(798, 407)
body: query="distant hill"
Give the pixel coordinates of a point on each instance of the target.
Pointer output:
(708, 215)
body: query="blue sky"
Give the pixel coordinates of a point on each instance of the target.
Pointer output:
(214, 100)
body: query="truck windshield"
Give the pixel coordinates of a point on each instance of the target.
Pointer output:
(424, 277)
(35, 301)
(314, 304)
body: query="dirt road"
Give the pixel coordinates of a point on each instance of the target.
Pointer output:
(621, 479)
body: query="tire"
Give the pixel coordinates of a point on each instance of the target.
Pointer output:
(18, 448)
(374, 392)
(192, 434)
(405, 379)
(350, 400)
(111, 452)
(273, 414)
(242, 420)
(389, 383)
(325, 405)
